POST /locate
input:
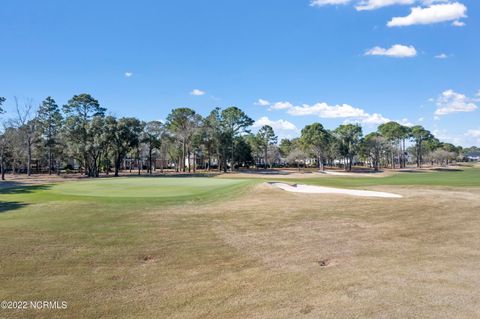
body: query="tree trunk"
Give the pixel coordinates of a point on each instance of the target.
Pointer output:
(266, 157)
(29, 160)
(2, 168)
(420, 153)
(232, 162)
(139, 163)
(194, 162)
(209, 159)
(162, 162)
(49, 160)
(117, 165)
(150, 160)
(183, 155)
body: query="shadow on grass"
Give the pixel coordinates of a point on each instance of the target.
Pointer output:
(447, 170)
(17, 188)
(170, 175)
(411, 171)
(6, 207)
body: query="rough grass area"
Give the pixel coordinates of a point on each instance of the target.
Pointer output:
(214, 248)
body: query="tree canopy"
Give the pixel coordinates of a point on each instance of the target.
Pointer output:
(80, 137)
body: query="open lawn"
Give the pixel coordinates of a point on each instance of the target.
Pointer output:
(159, 247)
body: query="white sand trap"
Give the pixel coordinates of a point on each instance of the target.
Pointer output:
(330, 190)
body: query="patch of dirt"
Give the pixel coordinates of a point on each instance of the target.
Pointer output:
(323, 262)
(148, 258)
(307, 309)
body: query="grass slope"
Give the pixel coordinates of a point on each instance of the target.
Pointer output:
(213, 248)
(465, 177)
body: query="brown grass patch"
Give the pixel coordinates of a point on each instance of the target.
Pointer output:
(268, 254)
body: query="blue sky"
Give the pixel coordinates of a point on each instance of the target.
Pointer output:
(332, 61)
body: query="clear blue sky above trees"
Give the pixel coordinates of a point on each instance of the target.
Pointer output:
(144, 58)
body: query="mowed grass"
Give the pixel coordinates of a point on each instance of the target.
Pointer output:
(219, 248)
(134, 187)
(464, 177)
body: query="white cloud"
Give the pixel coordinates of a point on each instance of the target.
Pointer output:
(396, 51)
(430, 2)
(421, 119)
(197, 92)
(376, 4)
(473, 133)
(282, 125)
(352, 114)
(457, 23)
(320, 3)
(405, 122)
(324, 110)
(374, 119)
(262, 102)
(434, 14)
(452, 102)
(445, 136)
(281, 106)
(128, 74)
(441, 56)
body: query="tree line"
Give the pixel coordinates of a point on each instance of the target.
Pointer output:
(80, 136)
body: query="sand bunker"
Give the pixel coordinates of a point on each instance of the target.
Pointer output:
(329, 190)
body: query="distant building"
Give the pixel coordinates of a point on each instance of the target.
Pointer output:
(473, 156)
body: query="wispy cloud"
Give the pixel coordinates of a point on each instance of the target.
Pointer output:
(452, 102)
(457, 23)
(282, 125)
(473, 133)
(345, 111)
(377, 4)
(262, 102)
(197, 92)
(321, 3)
(284, 105)
(441, 56)
(396, 51)
(128, 74)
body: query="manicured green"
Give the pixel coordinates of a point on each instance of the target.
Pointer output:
(146, 187)
(129, 191)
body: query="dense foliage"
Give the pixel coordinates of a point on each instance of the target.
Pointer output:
(80, 137)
